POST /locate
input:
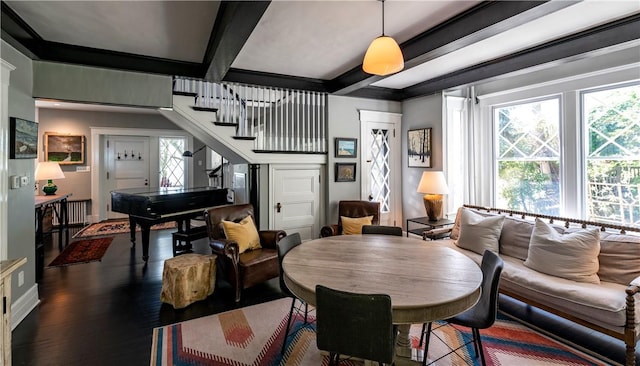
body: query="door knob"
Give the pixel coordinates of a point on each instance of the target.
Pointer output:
(278, 207)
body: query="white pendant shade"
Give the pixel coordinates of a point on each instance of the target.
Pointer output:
(383, 57)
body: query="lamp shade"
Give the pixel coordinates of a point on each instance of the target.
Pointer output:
(383, 57)
(48, 170)
(433, 182)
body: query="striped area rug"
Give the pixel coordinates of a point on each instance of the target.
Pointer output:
(254, 335)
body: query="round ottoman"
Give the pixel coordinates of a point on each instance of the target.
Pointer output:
(188, 278)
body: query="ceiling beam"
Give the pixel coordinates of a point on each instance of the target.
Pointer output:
(233, 25)
(565, 49)
(275, 80)
(478, 23)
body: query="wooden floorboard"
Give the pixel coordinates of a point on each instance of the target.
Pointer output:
(103, 313)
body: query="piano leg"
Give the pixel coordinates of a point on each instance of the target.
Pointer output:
(146, 229)
(132, 230)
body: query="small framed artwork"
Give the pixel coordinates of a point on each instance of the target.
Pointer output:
(64, 148)
(345, 172)
(346, 147)
(23, 139)
(419, 151)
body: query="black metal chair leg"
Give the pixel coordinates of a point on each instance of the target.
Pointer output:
(480, 350)
(426, 344)
(306, 312)
(286, 333)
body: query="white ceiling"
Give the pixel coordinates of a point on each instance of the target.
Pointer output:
(323, 41)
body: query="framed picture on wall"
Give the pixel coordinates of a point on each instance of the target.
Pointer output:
(346, 147)
(64, 148)
(345, 172)
(419, 148)
(23, 139)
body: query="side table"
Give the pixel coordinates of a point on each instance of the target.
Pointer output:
(427, 225)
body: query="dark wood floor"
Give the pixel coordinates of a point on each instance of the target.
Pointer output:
(103, 313)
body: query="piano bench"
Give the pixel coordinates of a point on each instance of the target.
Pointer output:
(181, 241)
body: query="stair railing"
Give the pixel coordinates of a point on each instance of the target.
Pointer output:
(277, 119)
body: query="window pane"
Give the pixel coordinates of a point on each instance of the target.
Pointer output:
(528, 161)
(171, 161)
(612, 117)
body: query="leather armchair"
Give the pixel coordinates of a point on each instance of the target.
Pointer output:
(252, 267)
(352, 209)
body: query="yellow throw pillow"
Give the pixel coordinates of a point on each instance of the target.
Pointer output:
(353, 225)
(243, 232)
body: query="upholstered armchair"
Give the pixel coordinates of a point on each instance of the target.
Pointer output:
(352, 209)
(244, 266)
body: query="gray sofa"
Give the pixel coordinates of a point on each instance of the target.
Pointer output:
(608, 307)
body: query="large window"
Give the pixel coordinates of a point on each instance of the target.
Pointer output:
(528, 156)
(573, 153)
(612, 120)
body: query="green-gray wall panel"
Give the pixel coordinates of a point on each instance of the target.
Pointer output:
(97, 85)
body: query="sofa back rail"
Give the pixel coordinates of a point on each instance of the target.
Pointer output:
(567, 221)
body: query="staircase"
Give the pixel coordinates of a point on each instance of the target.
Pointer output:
(251, 124)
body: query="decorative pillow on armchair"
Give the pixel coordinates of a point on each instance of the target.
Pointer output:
(478, 233)
(573, 256)
(243, 232)
(353, 225)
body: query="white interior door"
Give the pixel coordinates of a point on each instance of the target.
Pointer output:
(380, 161)
(296, 200)
(128, 165)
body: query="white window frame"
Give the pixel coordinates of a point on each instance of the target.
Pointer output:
(572, 160)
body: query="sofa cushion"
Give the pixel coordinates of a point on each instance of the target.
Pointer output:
(515, 236)
(455, 230)
(353, 225)
(479, 233)
(619, 258)
(243, 232)
(573, 256)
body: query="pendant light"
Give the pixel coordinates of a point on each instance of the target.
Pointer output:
(383, 56)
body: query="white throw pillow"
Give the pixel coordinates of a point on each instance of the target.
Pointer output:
(479, 233)
(573, 256)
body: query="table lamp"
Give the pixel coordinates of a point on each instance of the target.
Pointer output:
(434, 185)
(49, 170)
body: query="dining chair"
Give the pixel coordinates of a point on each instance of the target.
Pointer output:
(483, 314)
(358, 325)
(284, 246)
(382, 230)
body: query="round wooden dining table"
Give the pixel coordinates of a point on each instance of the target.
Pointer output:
(425, 282)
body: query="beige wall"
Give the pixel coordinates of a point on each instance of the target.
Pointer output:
(79, 123)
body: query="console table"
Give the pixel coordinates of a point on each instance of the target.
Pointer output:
(62, 214)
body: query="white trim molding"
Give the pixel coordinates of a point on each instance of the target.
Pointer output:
(4, 158)
(24, 305)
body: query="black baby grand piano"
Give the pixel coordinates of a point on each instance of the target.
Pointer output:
(149, 206)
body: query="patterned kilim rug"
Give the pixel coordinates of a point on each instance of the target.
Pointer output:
(82, 251)
(253, 336)
(111, 227)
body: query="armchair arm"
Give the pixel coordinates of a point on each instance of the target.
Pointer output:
(224, 247)
(270, 238)
(328, 230)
